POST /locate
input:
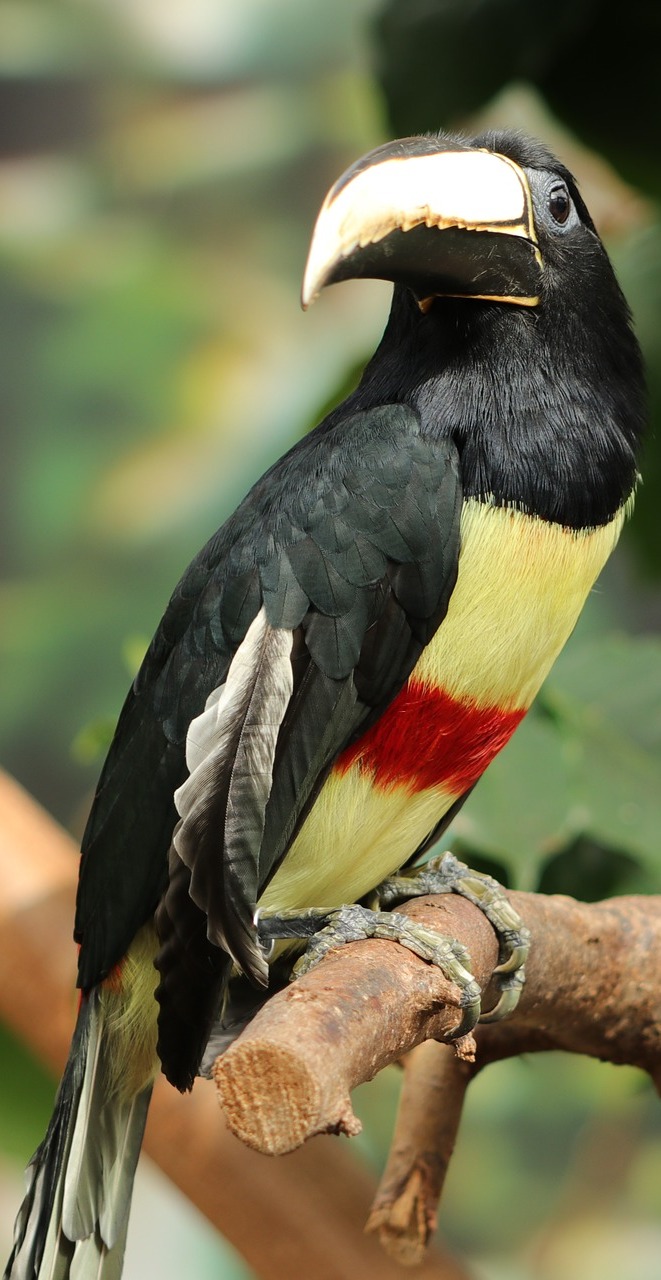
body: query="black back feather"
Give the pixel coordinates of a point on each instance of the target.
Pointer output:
(351, 541)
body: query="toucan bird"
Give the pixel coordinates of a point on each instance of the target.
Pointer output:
(343, 659)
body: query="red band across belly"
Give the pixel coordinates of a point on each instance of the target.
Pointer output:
(427, 739)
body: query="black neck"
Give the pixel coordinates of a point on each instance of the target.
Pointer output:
(544, 420)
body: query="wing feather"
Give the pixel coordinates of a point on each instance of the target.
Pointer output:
(350, 545)
(230, 749)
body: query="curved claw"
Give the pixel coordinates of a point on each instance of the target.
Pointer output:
(354, 922)
(515, 960)
(470, 1005)
(509, 999)
(446, 874)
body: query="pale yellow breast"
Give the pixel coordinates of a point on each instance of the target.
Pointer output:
(521, 586)
(355, 836)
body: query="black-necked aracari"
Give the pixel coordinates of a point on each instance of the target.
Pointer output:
(347, 654)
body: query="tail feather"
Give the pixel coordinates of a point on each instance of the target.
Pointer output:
(93, 1260)
(84, 1165)
(34, 1242)
(58, 1250)
(73, 1222)
(128, 1125)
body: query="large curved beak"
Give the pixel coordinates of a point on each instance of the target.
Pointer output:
(441, 219)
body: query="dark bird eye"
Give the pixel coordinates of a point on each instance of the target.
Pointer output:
(559, 204)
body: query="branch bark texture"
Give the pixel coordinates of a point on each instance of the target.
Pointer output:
(593, 987)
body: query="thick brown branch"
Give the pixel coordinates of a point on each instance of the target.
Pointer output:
(290, 1074)
(594, 978)
(594, 983)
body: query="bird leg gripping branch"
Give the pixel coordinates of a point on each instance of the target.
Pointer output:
(446, 874)
(327, 930)
(593, 983)
(332, 929)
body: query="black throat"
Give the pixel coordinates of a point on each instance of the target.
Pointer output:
(547, 414)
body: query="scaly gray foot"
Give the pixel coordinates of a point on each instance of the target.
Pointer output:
(329, 929)
(446, 874)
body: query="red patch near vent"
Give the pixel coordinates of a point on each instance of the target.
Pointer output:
(113, 980)
(427, 739)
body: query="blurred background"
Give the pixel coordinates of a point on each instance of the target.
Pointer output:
(161, 164)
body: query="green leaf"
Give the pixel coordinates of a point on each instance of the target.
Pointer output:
(637, 261)
(441, 60)
(26, 1098)
(607, 694)
(520, 812)
(590, 766)
(612, 680)
(92, 741)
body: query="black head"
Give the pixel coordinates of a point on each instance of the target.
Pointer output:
(508, 328)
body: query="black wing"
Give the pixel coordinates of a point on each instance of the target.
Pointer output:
(350, 544)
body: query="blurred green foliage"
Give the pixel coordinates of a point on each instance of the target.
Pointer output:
(443, 59)
(160, 168)
(585, 765)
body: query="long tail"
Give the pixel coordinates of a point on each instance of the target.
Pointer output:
(73, 1222)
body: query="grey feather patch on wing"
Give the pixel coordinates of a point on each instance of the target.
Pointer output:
(230, 750)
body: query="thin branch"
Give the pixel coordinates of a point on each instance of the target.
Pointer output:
(404, 1212)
